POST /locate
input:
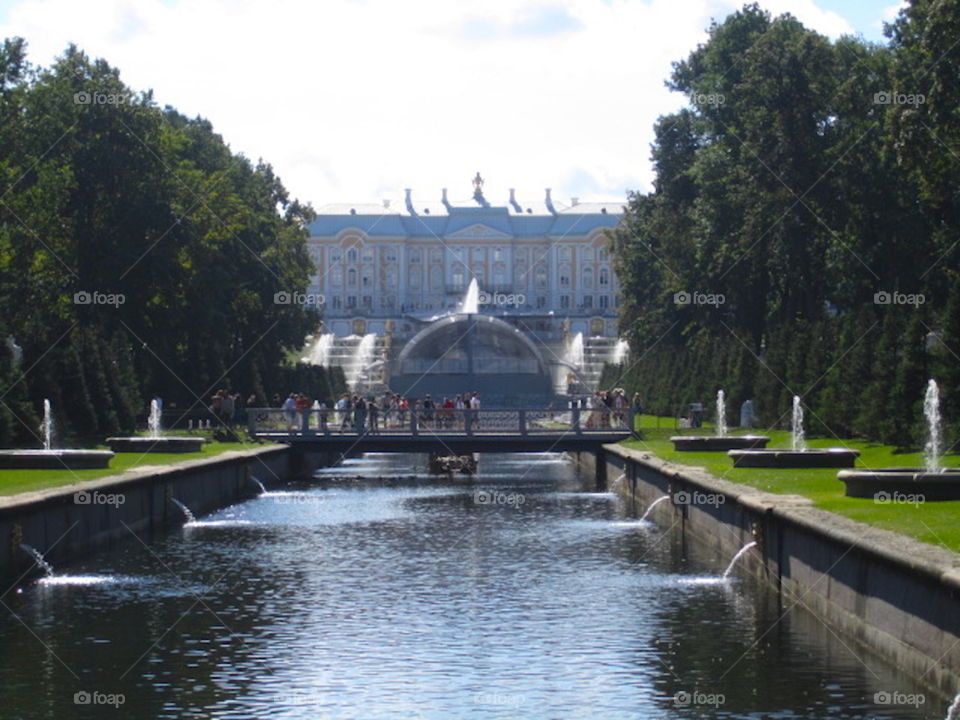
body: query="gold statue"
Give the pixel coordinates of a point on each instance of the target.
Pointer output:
(478, 185)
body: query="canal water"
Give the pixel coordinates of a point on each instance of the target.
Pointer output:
(393, 595)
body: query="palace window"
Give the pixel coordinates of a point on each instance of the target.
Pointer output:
(351, 302)
(588, 301)
(540, 276)
(604, 277)
(336, 277)
(436, 256)
(541, 302)
(498, 255)
(351, 278)
(414, 277)
(587, 277)
(335, 255)
(458, 279)
(564, 302)
(604, 301)
(564, 276)
(565, 252)
(367, 255)
(390, 254)
(352, 255)
(415, 256)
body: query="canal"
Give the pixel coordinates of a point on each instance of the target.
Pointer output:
(378, 592)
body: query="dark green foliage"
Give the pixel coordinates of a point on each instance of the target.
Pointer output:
(793, 191)
(123, 198)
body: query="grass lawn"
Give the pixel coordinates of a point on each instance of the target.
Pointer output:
(932, 522)
(18, 481)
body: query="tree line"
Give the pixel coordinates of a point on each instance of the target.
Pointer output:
(139, 256)
(802, 232)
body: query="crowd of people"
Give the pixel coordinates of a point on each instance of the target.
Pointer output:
(371, 414)
(608, 408)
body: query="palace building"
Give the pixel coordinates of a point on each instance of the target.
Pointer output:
(542, 271)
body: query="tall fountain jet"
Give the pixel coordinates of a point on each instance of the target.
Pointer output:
(721, 414)
(574, 355)
(798, 438)
(470, 305)
(47, 426)
(154, 422)
(931, 411)
(362, 360)
(320, 353)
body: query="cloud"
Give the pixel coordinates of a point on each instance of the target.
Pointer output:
(354, 101)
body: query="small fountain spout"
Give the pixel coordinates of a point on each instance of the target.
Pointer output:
(259, 484)
(743, 551)
(38, 559)
(653, 505)
(184, 509)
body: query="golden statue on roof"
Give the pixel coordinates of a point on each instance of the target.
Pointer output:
(478, 185)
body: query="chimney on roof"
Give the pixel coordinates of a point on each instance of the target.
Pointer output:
(410, 202)
(443, 197)
(513, 201)
(574, 201)
(386, 203)
(549, 203)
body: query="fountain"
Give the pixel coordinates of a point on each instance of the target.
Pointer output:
(721, 440)
(932, 482)
(574, 354)
(799, 455)
(653, 505)
(320, 352)
(362, 359)
(740, 553)
(155, 441)
(188, 516)
(620, 352)
(39, 560)
(50, 458)
(470, 305)
(259, 484)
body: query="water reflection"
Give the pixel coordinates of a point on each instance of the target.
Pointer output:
(397, 595)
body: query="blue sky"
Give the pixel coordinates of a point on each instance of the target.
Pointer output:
(356, 100)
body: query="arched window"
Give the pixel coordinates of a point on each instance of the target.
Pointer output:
(352, 255)
(352, 278)
(604, 277)
(587, 277)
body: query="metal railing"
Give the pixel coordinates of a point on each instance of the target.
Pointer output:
(439, 421)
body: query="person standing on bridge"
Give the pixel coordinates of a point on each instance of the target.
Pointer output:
(343, 410)
(359, 414)
(374, 411)
(290, 411)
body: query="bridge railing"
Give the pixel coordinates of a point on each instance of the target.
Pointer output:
(440, 421)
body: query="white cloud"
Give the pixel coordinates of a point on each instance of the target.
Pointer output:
(358, 99)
